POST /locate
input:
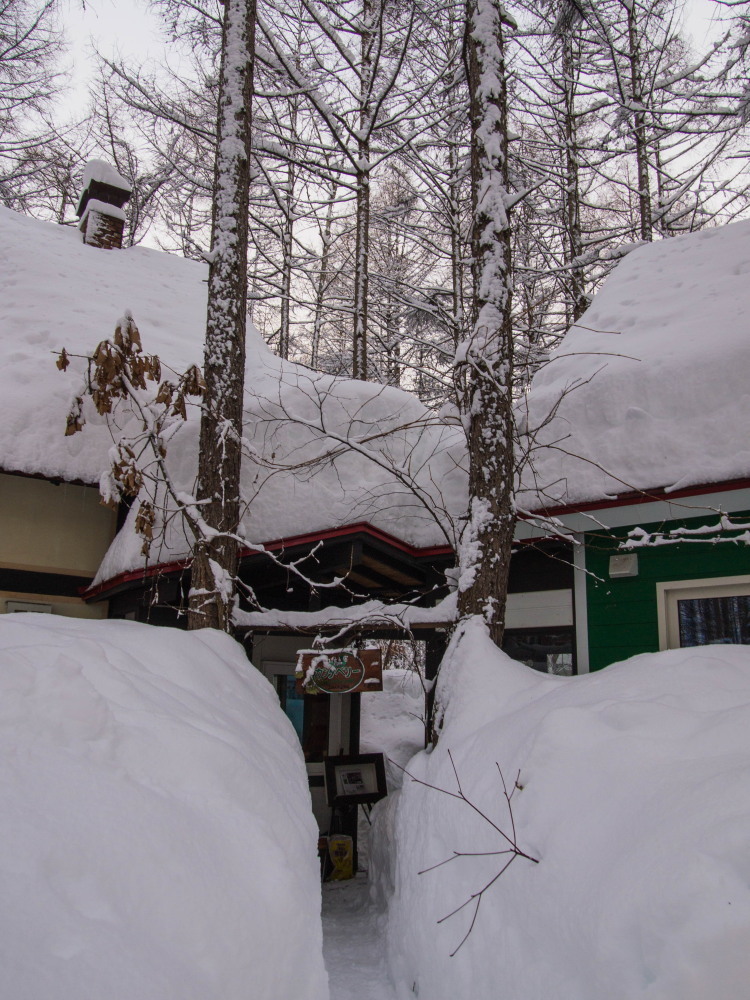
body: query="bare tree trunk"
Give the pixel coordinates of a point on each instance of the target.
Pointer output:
(362, 242)
(361, 267)
(484, 557)
(578, 300)
(287, 230)
(393, 335)
(454, 221)
(640, 138)
(215, 556)
(287, 263)
(322, 284)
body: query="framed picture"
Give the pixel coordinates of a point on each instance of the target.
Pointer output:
(355, 779)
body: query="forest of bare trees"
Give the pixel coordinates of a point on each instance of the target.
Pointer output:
(360, 218)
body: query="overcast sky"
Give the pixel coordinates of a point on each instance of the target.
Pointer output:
(124, 26)
(128, 27)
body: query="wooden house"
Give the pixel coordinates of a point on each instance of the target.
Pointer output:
(636, 422)
(646, 461)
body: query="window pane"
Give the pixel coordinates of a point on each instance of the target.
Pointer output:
(550, 651)
(292, 703)
(308, 714)
(706, 621)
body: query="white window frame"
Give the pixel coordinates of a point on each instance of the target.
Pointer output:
(672, 591)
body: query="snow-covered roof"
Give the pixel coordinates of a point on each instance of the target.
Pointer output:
(656, 376)
(652, 379)
(57, 292)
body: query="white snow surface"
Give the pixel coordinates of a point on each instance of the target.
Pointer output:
(371, 613)
(635, 798)
(660, 401)
(103, 208)
(157, 835)
(57, 292)
(392, 721)
(660, 360)
(354, 944)
(105, 173)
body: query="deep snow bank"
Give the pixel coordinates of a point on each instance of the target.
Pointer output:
(636, 800)
(392, 722)
(157, 839)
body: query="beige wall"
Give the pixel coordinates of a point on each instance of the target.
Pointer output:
(52, 529)
(71, 607)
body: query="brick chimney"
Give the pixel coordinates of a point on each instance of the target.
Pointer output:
(100, 208)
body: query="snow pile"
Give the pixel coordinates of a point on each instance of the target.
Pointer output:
(104, 208)
(392, 721)
(635, 798)
(156, 827)
(655, 376)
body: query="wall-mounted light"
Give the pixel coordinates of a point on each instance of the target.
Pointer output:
(625, 565)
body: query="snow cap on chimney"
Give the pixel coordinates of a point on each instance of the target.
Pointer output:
(100, 208)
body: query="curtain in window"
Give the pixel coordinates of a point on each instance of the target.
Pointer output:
(705, 621)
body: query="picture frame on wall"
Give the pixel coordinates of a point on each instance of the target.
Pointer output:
(355, 779)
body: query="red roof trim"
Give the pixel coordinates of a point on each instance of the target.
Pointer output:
(135, 574)
(353, 529)
(362, 527)
(644, 496)
(278, 544)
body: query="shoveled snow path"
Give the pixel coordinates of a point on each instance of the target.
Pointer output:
(353, 943)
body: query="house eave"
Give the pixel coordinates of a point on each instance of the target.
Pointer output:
(55, 479)
(124, 581)
(644, 507)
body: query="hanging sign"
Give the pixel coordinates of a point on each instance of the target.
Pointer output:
(339, 671)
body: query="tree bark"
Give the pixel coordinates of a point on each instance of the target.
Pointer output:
(287, 264)
(289, 204)
(322, 281)
(640, 137)
(454, 221)
(362, 242)
(215, 557)
(484, 557)
(577, 287)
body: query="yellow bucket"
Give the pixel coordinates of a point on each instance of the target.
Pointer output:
(341, 853)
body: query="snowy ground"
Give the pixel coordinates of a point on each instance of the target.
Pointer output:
(354, 942)
(158, 841)
(353, 924)
(633, 796)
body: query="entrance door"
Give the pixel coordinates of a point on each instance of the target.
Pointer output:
(322, 723)
(308, 713)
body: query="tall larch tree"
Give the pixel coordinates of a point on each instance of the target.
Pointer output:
(484, 557)
(216, 553)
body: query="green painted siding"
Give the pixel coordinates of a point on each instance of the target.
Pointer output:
(622, 613)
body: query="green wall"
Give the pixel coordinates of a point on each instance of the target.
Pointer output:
(622, 613)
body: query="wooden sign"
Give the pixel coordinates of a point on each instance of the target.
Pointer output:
(339, 671)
